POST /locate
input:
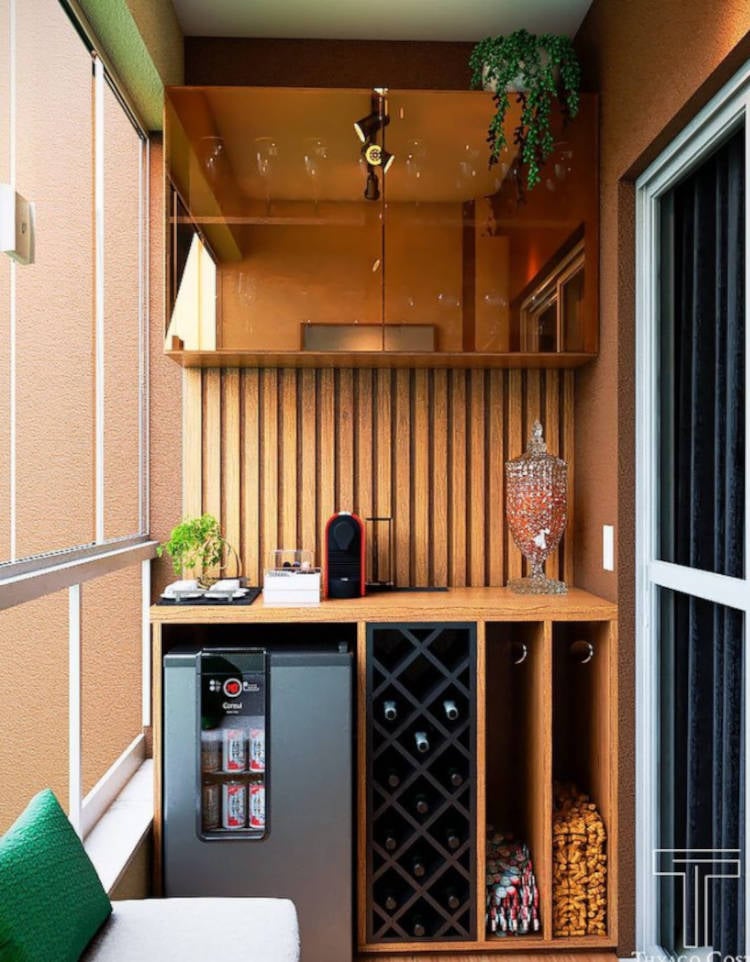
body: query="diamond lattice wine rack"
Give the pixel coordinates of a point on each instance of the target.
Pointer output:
(421, 794)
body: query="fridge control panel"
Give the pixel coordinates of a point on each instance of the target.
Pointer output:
(233, 763)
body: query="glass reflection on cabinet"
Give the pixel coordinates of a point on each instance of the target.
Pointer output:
(446, 249)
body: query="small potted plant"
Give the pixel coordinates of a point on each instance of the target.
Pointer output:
(197, 545)
(537, 69)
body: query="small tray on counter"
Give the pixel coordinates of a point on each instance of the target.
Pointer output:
(200, 598)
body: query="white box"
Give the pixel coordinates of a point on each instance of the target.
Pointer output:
(291, 587)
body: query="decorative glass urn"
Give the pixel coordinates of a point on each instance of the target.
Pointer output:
(537, 508)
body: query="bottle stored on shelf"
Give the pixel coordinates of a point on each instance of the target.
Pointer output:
(451, 898)
(422, 742)
(390, 840)
(418, 867)
(392, 778)
(390, 900)
(390, 710)
(451, 709)
(418, 926)
(422, 804)
(455, 777)
(452, 839)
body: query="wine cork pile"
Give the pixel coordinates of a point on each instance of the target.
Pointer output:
(579, 865)
(512, 895)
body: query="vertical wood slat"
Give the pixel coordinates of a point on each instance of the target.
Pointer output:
(568, 416)
(420, 526)
(456, 541)
(475, 460)
(231, 432)
(250, 452)
(288, 474)
(402, 442)
(273, 453)
(383, 468)
(364, 503)
(344, 407)
(192, 445)
(212, 442)
(306, 481)
(551, 424)
(495, 479)
(513, 447)
(326, 447)
(269, 466)
(439, 480)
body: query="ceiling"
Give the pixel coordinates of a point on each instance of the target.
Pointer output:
(446, 20)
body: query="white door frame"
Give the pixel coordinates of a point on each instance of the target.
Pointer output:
(726, 111)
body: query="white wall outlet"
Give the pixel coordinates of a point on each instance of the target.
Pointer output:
(16, 225)
(608, 547)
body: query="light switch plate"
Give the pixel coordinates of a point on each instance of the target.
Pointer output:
(16, 225)
(608, 547)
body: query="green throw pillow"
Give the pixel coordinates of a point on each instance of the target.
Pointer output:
(51, 899)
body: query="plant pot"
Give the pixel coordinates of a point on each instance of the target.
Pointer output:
(208, 577)
(518, 84)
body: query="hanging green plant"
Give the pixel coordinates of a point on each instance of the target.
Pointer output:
(527, 66)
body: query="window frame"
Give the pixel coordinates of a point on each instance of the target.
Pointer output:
(24, 579)
(727, 111)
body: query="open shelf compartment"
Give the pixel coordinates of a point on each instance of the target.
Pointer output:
(584, 723)
(517, 768)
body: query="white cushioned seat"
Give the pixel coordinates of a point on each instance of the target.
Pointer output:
(198, 930)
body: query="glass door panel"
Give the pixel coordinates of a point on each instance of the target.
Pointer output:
(702, 366)
(702, 775)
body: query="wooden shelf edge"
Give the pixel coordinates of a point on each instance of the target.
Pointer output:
(515, 943)
(456, 604)
(374, 359)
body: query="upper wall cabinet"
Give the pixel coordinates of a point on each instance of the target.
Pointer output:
(291, 246)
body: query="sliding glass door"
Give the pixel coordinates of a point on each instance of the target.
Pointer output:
(692, 517)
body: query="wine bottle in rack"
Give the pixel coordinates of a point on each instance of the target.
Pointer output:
(455, 777)
(392, 778)
(390, 900)
(390, 840)
(422, 804)
(451, 709)
(390, 710)
(422, 742)
(452, 839)
(418, 867)
(451, 898)
(418, 926)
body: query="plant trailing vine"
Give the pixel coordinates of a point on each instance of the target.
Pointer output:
(195, 544)
(499, 63)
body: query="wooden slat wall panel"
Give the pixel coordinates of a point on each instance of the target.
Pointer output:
(275, 452)
(439, 489)
(231, 432)
(455, 537)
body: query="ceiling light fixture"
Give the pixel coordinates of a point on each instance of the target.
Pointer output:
(377, 156)
(368, 126)
(372, 187)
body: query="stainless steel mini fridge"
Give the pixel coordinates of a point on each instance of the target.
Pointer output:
(258, 782)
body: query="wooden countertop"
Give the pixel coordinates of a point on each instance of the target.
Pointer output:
(455, 604)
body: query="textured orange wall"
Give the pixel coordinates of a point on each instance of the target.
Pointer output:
(655, 65)
(33, 703)
(54, 295)
(110, 670)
